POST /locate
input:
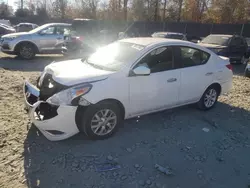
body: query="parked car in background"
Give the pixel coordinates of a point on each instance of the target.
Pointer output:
(6, 30)
(232, 46)
(193, 38)
(169, 35)
(86, 36)
(47, 38)
(247, 70)
(94, 95)
(5, 22)
(24, 27)
(248, 47)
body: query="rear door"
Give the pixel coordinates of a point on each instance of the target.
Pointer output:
(196, 73)
(52, 38)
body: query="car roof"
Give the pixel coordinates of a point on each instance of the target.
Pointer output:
(52, 24)
(146, 41)
(165, 33)
(221, 35)
(26, 23)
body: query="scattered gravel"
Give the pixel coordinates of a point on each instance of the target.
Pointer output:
(171, 138)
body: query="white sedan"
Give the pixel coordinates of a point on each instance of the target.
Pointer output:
(127, 78)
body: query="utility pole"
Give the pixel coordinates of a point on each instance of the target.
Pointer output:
(21, 4)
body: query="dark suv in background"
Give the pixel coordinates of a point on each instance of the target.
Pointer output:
(232, 46)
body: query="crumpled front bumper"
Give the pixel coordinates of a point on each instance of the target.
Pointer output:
(58, 123)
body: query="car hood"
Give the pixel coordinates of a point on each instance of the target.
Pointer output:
(75, 71)
(15, 34)
(211, 45)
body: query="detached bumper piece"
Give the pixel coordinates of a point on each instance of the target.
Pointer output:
(55, 122)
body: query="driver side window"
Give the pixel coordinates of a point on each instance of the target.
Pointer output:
(48, 31)
(158, 60)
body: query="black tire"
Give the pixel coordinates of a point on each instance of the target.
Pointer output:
(202, 103)
(247, 73)
(26, 51)
(242, 60)
(89, 115)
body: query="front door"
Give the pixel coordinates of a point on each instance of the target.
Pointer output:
(196, 73)
(158, 90)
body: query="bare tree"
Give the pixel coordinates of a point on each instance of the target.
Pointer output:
(164, 10)
(125, 9)
(180, 4)
(59, 8)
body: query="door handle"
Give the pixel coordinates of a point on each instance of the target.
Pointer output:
(209, 73)
(172, 80)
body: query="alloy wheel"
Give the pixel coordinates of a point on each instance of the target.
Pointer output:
(210, 98)
(103, 122)
(26, 52)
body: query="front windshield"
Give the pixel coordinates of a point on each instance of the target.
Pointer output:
(174, 36)
(114, 56)
(216, 39)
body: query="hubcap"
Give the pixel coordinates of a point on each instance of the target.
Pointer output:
(103, 122)
(26, 52)
(210, 98)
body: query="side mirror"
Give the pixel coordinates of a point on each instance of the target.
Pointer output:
(141, 71)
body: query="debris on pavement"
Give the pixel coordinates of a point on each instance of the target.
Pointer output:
(206, 129)
(165, 170)
(211, 122)
(103, 167)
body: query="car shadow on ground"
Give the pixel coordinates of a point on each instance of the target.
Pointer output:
(145, 140)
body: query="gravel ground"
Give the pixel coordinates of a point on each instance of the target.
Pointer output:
(197, 149)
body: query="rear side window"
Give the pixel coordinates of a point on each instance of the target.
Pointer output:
(193, 57)
(236, 41)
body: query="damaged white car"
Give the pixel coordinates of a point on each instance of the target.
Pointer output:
(127, 78)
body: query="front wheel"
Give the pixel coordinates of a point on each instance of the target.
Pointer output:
(101, 121)
(26, 51)
(209, 98)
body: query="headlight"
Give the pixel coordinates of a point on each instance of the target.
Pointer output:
(10, 38)
(69, 96)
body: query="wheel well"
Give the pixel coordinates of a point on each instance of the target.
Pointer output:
(81, 109)
(216, 86)
(118, 104)
(26, 42)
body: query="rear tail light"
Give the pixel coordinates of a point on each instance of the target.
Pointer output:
(229, 66)
(80, 38)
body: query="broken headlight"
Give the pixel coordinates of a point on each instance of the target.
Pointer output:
(69, 96)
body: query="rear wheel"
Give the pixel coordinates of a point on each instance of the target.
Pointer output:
(209, 98)
(101, 121)
(26, 51)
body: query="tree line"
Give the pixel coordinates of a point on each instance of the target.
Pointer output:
(205, 11)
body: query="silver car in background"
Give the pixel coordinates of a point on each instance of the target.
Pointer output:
(46, 39)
